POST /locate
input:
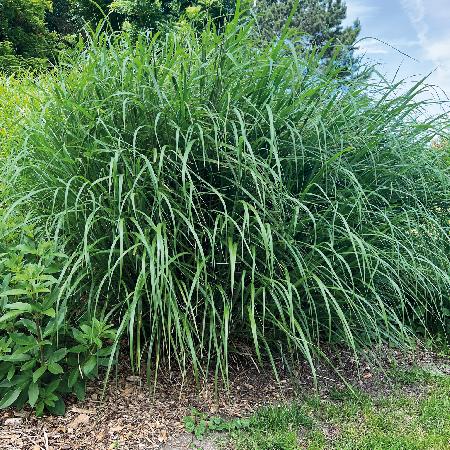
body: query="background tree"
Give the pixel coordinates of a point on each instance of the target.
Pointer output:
(33, 31)
(149, 14)
(320, 20)
(157, 14)
(92, 11)
(22, 24)
(61, 17)
(24, 37)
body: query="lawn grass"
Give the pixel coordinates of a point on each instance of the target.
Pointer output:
(413, 415)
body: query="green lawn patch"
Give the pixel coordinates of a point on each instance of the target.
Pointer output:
(413, 416)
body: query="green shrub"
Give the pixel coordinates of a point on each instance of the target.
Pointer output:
(11, 64)
(200, 424)
(41, 356)
(212, 194)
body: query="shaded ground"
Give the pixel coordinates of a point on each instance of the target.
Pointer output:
(131, 418)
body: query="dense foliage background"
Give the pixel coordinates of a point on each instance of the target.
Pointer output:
(33, 33)
(24, 38)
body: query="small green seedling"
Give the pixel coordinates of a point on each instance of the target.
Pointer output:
(200, 424)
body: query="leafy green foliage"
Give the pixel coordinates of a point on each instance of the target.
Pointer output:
(151, 15)
(25, 41)
(92, 12)
(32, 33)
(15, 102)
(211, 194)
(41, 358)
(200, 424)
(62, 18)
(22, 24)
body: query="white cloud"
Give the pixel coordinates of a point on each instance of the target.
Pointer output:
(359, 9)
(371, 46)
(436, 48)
(402, 43)
(415, 10)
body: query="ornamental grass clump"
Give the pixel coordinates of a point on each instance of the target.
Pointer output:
(212, 195)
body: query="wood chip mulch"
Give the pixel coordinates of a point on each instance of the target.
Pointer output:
(133, 417)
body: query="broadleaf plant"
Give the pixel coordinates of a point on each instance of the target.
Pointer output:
(39, 360)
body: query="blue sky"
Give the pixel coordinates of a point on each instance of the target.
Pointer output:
(418, 28)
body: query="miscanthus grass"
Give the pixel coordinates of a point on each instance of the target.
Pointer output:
(213, 195)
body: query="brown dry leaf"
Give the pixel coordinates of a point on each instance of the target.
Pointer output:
(133, 378)
(100, 436)
(127, 391)
(89, 412)
(13, 421)
(214, 409)
(79, 420)
(162, 436)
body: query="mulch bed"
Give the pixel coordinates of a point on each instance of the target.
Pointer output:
(132, 417)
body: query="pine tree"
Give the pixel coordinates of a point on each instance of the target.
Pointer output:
(319, 20)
